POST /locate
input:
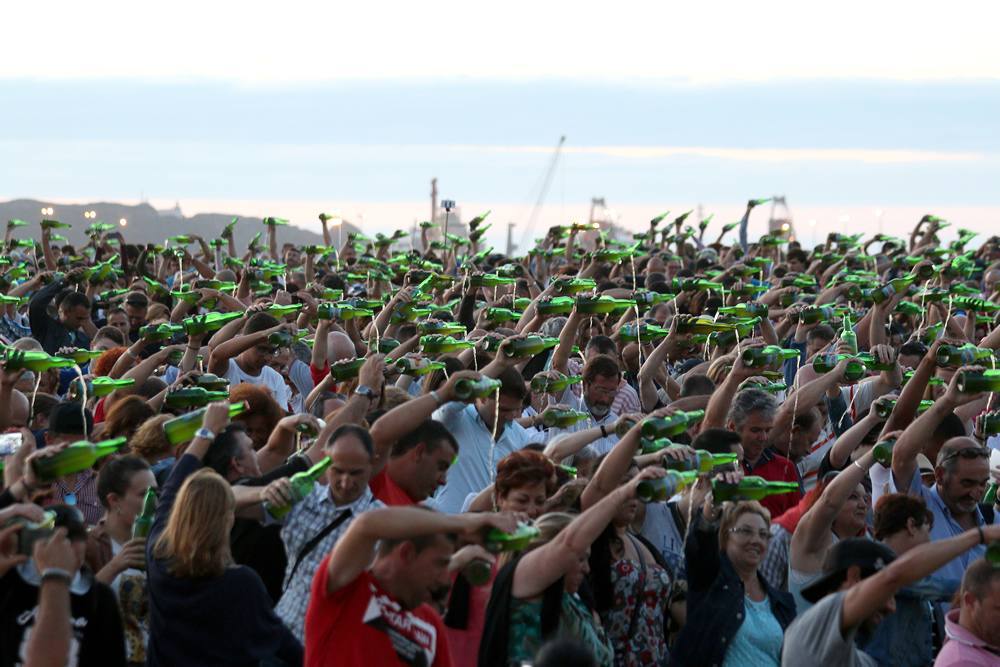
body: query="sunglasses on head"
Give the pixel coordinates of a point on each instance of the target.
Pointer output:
(967, 453)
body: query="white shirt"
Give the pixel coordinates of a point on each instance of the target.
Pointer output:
(600, 446)
(268, 377)
(474, 469)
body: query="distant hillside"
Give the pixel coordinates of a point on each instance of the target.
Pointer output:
(146, 224)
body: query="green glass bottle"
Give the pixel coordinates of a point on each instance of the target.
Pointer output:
(528, 346)
(971, 382)
(544, 384)
(502, 315)
(990, 497)
(181, 429)
(662, 489)
(825, 363)
(33, 360)
(417, 367)
(105, 297)
(631, 333)
(671, 425)
(882, 451)
(885, 407)
(490, 280)
(816, 314)
(346, 369)
(601, 305)
(647, 445)
(769, 387)
(560, 305)
(143, 523)
(553, 418)
(647, 298)
(482, 388)
(55, 224)
(301, 485)
(342, 311)
(193, 397)
(574, 285)
(746, 310)
(703, 462)
(281, 311)
(441, 327)
(81, 355)
(848, 337)
(498, 541)
(963, 355)
(212, 382)
(203, 324)
(703, 325)
(438, 344)
(75, 458)
(751, 487)
(477, 572)
(991, 423)
(98, 387)
(770, 355)
(874, 365)
(158, 332)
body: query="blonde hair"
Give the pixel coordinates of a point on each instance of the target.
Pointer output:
(731, 512)
(149, 441)
(195, 543)
(720, 367)
(549, 525)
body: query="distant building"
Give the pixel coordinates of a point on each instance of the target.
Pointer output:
(174, 212)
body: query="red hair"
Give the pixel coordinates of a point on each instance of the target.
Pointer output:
(103, 364)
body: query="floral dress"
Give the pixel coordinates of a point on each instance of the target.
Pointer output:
(635, 622)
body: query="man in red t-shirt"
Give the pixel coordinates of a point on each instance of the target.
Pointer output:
(378, 616)
(415, 450)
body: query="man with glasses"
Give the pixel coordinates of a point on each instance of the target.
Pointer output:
(247, 358)
(601, 378)
(962, 472)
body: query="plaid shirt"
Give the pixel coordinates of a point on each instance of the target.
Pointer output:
(303, 523)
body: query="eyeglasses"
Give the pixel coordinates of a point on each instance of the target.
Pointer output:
(745, 532)
(967, 453)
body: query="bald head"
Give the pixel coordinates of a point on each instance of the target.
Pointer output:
(340, 346)
(20, 409)
(953, 445)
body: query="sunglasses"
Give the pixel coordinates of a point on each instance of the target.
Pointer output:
(968, 453)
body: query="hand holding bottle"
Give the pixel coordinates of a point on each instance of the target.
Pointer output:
(476, 525)
(216, 417)
(278, 493)
(372, 372)
(953, 396)
(448, 393)
(132, 555)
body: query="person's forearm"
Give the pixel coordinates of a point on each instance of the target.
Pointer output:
(609, 474)
(567, 339)
(238, 345)
(909, 398)
(569, 444)
(806, 397)
(52, 634)
(127, 360)
(911, 442)
(844, 446)
(718, 404)
(399, 421)
(320, 341)
(405, 523)
(280, 445)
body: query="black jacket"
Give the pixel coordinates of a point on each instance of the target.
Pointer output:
(715, 603)
(47, 330)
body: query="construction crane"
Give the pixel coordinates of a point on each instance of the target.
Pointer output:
(543, 191)
(780, 223)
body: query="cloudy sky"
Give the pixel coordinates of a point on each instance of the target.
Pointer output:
(288, 109)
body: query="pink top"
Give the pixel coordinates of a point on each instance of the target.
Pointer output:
(964, 649)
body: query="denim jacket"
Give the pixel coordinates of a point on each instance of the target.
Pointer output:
(716, 606)
(905, 638)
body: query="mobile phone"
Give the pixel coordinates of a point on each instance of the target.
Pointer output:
(10, 443)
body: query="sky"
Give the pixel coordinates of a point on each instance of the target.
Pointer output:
(294, 108)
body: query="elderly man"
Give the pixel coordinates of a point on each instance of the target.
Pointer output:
(973, 630)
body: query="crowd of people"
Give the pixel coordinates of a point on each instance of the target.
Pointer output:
(663, 450)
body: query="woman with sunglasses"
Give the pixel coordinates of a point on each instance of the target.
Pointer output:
(734, 616)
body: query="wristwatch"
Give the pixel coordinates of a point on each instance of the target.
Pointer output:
(366, 391)
(204, 434)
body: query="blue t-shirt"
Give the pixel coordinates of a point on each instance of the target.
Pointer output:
(758, 641)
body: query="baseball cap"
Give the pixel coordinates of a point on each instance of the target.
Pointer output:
(866, 554)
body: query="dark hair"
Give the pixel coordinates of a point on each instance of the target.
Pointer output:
(74, 299)
(430, 432)
(137, 299)
(44, 404)
(913, 348)
(806, 420)
(512, 384)
(260, 322)
(603, 345)
(68, 419)
(116, 474)
(601, 366)
(224, 449)
(892, 511)
(697, 384)
(716, 440)
(823, 331)
(564, 652)
(113, 334)
(522, 467)
(950, 427)
(798, 254)
(349, 430)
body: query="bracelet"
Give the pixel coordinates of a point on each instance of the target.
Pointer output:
(59, 573)
(982, 535)
(860, 467)
(604, 431)
(437, 397)
(130, 353)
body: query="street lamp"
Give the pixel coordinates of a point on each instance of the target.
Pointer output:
(90, 215)
(47, 210)
(337, 222)
(123, 222)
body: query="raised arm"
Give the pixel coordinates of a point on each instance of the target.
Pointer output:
(218, 360)
(541, 567)
(567, 339)
(911, 443)
(354, 551)
(812, 533)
